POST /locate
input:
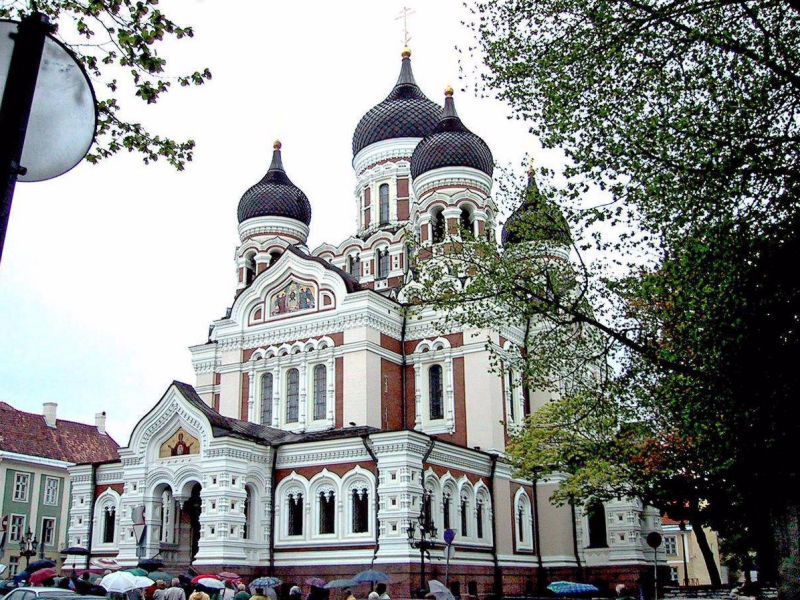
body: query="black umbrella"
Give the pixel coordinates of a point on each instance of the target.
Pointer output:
(150, 564)
(75, 551)
(40, 564)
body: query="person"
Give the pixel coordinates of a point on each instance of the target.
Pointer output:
(160, 590)
(295, 593)
(373, 596)
(227, 593)
(175, 591)
(241, 593)
(199, 594)
(348, 595)
(382, 594)
(259, 595)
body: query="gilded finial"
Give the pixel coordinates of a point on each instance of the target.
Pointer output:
(276, 145)
(406, 53)
(448, 91)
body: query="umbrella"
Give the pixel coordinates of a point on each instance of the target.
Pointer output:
(439, 590)
(40, 564)
(150, 564)
(75, 551)
(40, 575)
(197, 578)
(568, 588)
(143, 581)
(104, 563)
(316, 582)
(211, 583)
(341, 583)
(160, 576)
(228, 575)
(371, 576)
(119, 582)
(265, 582)
(136, 572)
(270, 593)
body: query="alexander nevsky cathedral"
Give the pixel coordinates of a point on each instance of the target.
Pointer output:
(327, 429)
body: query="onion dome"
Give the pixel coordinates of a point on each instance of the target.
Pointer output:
(451, 145)
(537, 219)
(275, 195)
(406, 112)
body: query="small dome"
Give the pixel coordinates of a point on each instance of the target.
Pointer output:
(451, 145)
(275, 195)
(406, 112)
(536, 220)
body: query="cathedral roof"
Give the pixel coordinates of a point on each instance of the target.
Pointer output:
(275, 195)
(537, 219)
(451, 145)
(406, 112)
(350, 282)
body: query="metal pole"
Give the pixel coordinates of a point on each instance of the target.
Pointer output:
(422, 562)
(655, 573)
(15, 109)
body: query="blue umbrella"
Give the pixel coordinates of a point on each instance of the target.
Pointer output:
(342, 583)
(568, 588)
(371, 576)
(265, 582)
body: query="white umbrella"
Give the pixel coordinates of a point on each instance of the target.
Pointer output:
(211, 583)
(438, 589)
(119, 582)
(142, 581)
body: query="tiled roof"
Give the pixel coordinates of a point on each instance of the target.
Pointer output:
(406, 112)
(451, 145)
(28, 433)
(275, 195)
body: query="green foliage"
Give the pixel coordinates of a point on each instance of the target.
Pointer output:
(120, 38)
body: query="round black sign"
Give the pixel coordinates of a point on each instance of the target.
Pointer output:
(654, 539)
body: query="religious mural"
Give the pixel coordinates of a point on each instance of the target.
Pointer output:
(293, 297)
(179, 444)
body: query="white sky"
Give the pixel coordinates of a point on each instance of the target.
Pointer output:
(110, 272)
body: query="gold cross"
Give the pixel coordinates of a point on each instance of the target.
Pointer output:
(404, 12)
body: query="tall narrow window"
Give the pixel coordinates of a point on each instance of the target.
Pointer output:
(446, 510)
(249, 269)
(246, 528)
(109, 520)
(521, 522)
(320, 392)
(360, 510)
(437, 227)
(427, 508)
(383, 197)
(295, 510)
(266, 399)
(48, 531)
(292, 396)
(465, 221)
(383, 263)
(479, 519)
(435, 392)
(464, 520)
(327, 512)
(597, 525)
(511, 409)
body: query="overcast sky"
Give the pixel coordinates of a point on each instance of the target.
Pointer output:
(110, 272)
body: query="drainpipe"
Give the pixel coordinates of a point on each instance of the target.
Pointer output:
(403, 363)
(371, 453)
(498, 575)
(540, 580)
(575, 539)
(272, 486)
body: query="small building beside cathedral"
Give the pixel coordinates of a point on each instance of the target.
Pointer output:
(328, 423)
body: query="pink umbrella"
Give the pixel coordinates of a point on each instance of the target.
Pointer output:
(37, 577)
(229, 575)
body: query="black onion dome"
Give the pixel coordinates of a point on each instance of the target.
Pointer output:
(451, 145)
(537, 219)
(275, 195)
(406, 112)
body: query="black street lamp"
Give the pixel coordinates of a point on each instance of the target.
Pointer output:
(28, 547)
(427, 533)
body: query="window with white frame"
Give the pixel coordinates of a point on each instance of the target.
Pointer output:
(671, 545)
(16, 528)
(523, 521)
(382, 259)
(22, 486)
(294, 513)
(383, 199)
(13, 565)
(109, 523)
(51, 485)
(327, 511)
(266, 399)
(359, 506)
(320, 392)
(464, 512)
(447, 508)
(292, 396)
(48, 531)
(482, 509)
(435, 393)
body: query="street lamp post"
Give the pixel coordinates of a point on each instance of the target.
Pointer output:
(427, 533)
(28, 547)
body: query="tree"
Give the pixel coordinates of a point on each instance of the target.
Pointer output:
(120, 39)
(681, 328)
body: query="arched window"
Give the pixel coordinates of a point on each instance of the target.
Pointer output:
(596, 513)
(360, 501)
(266, 399)
(446, 503)
(354, 265)
(109, 523)
(383, 198)
(512, 416)
(327, 512)
(427, 508)
(437, 226)
(464, 517)
(523, 521)
(292, 396)
(249, 268)
(320, 392)
(435, 392)
(465, 221)
(295, 514)
(273, 257)
(383, 263)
